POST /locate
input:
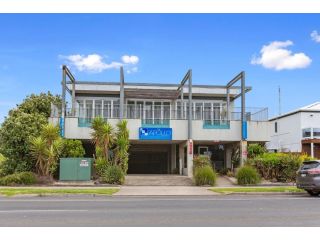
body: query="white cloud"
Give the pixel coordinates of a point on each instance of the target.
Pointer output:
(96, 63)
(315, 36)
(130, 59)
(132, 70)
(277, 56)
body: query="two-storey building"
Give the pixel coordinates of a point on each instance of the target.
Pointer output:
(168, 123)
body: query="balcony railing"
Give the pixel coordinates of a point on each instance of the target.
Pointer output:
(161, 115)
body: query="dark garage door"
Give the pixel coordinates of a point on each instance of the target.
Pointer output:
(147, 162)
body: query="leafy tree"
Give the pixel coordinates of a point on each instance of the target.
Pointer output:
(255, 149)
(23, 122)
(72, 148)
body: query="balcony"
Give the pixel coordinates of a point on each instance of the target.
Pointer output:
(160, 116)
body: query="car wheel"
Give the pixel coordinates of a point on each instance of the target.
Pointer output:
(314, 193)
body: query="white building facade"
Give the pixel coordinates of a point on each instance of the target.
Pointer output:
(297, 131)
(160, 122)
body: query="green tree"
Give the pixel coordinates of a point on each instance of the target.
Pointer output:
(72, 148)
(23, 122)
(255, 149)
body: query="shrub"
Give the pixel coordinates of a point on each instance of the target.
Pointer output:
(9, 180)
(72, 148)
(278, 166)
(247, 175)
(26, 178)
(205, 176)
(255, 150)
(200, 161)
(113, 175)
(101, 166)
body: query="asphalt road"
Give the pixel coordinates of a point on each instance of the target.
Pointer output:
(229, 210)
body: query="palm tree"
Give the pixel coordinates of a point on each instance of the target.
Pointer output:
(102, 136)
(53, 152)
(122, 148)
(107, 138)
(38, 151)
(97, 124)
(46, 149)
(50, 133)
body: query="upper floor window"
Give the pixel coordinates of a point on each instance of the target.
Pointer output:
(316, 133)
(306, 132)
(276, 127)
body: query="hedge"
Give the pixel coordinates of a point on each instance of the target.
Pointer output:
(281, 167)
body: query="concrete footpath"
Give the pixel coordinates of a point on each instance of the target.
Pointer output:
(164, 191)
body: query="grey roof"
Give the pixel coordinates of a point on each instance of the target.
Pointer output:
(155, 84)
(314, 107)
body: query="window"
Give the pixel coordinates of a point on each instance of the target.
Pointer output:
(198, 111)
(306, 133)
(89, 109)
(131, 109)
(107, 109)
(216, 113)
(202, 150)
(98, 108)
(207, 113)
(157, 113)
(316, 133)
(149, 113)
(180, 111)
(81, 109)
(275, 127)
(139, 109)
(116, 108)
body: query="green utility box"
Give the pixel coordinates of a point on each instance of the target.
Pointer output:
(75, 169)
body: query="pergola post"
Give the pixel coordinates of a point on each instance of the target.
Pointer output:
(190, 106)
(121, 93)
(228, 104)
(190, 141)
(188, 77)
(63, 104)
(73, 98)
(243, 139)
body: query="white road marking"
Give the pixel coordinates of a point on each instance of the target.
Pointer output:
(41, 210)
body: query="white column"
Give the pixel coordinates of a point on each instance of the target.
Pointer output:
(190, 157)
(312, 149)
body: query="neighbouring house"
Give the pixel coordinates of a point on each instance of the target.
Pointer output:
(297, 131)
(165, 132)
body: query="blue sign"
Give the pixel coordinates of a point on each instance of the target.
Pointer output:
(62, 127)
(244, 131)
(155, 133)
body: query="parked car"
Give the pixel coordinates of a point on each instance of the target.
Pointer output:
(308, 177)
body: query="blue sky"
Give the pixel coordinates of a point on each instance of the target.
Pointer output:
(161, 48)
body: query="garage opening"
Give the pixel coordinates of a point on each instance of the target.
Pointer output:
(149, 159)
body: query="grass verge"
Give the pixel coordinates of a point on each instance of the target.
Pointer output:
(47, 191)
(289, 189)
